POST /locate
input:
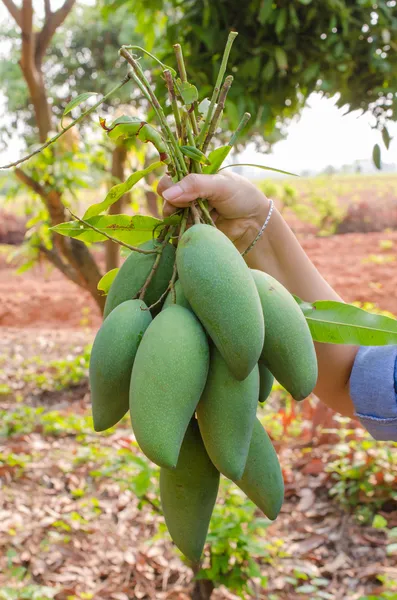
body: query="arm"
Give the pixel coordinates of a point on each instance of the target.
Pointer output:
(239, 210)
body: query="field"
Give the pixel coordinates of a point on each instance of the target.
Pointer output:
(79, 514)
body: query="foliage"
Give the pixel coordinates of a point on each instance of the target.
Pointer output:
(364, 472)
(285, 51)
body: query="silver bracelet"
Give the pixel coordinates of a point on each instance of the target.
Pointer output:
(262, 229)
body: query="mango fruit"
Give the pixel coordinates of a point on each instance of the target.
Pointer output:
(112, 357)
(179, 297)
(188, 494)
(262, 480)
(133, 274)
(167, 380)
(220, 288)
(288, 350)
(226, 414)
(266, 381)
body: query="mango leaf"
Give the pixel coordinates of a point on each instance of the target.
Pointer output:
(376, 156)
(130, 230)
(76, 102)
(281, 58)
(338, 323)
(264, 167)
(188, 92)
(106, 281)
(119, 190)
(265, 11)
(216, 158)
(386, 137)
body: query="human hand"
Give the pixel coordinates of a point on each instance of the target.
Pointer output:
(237, 207)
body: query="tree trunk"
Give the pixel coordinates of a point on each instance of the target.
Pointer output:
(119, 157)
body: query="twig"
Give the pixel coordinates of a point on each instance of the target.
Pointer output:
(215, 93)
(183, 75)
(171, 91)
(80, 118)
(195, 213)
(170, 287)
(152, 504)
(168, 135)
(218, 111)
(109, 237)
(244, 120)
(155, 265)
(205, 211)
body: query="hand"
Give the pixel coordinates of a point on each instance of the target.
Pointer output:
(237, 207)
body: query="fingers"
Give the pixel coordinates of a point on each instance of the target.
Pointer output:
(164, 183)
(215, 188)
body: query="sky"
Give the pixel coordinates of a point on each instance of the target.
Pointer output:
(321, 136)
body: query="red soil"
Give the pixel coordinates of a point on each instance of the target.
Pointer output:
(44, 298)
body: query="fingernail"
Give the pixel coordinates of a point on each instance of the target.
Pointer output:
(173, 192)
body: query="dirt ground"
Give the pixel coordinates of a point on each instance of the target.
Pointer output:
(361, 267)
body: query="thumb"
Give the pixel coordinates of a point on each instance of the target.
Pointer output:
(215, 188)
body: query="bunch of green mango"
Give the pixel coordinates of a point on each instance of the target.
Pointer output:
(192, 374)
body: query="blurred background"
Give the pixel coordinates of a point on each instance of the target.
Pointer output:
(79, 511)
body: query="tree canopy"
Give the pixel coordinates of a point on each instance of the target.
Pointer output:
(286, 50)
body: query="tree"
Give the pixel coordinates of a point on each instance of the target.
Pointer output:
(286, 50)
(76, 57)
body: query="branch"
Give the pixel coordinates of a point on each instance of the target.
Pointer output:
(47, 8)
(29, 181)
(28, 39)
(14, 11)
(52, 255)
(52, 22)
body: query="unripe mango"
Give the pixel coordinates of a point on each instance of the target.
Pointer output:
(220, 288)
(262, 480)
(288, 351)
(226, 414)
(266, 381)
(134, 272)
(167, 380)
(179, 297)
(188, 494)
(112, 357)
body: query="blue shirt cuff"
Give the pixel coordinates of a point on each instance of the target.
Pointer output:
(373, 388)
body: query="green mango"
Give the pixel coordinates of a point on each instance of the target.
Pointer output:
(168, 378)
(133, 274)
(226, 414)
(266, 381)
(179, 297)
(188, 494)
(262, 480)
(288, 351)
(221, 290)
(112, 357)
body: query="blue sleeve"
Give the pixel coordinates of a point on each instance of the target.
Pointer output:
(373, 388)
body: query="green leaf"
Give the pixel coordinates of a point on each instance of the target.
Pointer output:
(265, 11)
(281, 58)
(195, 154)
(130, 230)
(281, 21)
(376, 156)
(106, 281)
(76, 102)
(379, 522)
(305, 2)
(188, 92)
(338, 323)
(386, 137)
(119, 190)
(216, 158)
(259, 167)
